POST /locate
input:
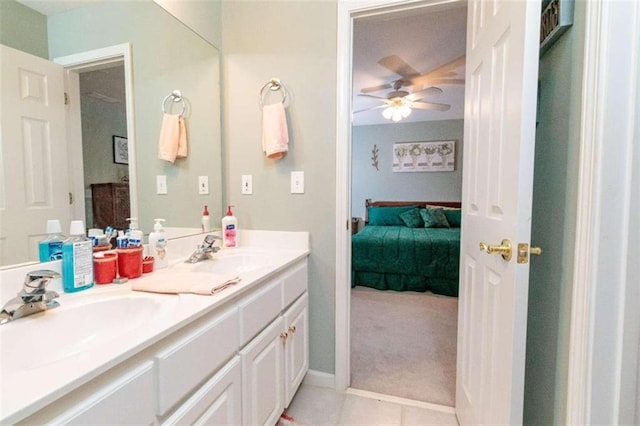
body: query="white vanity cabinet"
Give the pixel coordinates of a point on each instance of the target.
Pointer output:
(275, 362)
(240, 363)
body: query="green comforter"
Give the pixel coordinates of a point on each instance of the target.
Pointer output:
(400, 258)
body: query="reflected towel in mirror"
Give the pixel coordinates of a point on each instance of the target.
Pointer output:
(173, 138)
(275, 136)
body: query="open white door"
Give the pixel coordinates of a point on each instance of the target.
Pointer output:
(34, 184)
(500, 113)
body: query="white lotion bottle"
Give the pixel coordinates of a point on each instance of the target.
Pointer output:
(229, 229)
(158, 245)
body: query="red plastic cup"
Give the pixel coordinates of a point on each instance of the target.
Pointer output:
(104, 268)
(130, 262)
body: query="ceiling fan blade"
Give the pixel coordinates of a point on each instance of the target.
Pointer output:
(372, 96)
(430, 105)
(424, 92)
(446, 70)
(399, 66)
(432, 81)
(376, 88)
(370, 108)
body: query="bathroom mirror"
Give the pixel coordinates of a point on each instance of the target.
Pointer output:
(166, 55)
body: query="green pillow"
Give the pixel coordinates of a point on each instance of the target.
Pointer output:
(387, 216)
(434, 218)
(412, 218)
(454, 217)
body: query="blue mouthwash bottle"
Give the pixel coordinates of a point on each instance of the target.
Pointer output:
(51, 247)
(77, 259)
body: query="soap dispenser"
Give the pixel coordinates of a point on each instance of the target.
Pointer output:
(158, 245)
(229, 229)
(206, 223)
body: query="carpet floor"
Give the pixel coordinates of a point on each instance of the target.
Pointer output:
(404, 344)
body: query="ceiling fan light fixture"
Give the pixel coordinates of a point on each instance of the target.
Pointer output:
(388, 112)
(397, 115)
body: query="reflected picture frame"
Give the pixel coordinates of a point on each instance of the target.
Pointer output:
(120, 150)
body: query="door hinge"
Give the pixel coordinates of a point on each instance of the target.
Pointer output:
(347, 224)
(66, 98)
(70, 198)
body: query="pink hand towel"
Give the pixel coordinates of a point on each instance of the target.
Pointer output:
(173, 138)
(275, 136)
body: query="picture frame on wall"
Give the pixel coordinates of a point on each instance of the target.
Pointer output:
(433, 156)
(120, 150)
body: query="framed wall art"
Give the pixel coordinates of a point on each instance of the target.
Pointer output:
(120, 150)
(435, 156)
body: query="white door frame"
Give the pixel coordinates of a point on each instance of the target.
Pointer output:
(86, 61)
(610, 125)
(601, 96)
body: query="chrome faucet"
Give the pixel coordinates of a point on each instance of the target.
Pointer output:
(205, 250)
(32, 298)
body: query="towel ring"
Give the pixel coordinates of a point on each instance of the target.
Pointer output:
(175, 96)
(274, 85)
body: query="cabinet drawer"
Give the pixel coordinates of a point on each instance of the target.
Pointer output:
(217, 402)
(183, 366)
(127, 399)
(259, 310)
(294, 284)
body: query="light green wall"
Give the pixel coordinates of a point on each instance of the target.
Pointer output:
(23, 28)
(296, 42)
(166, 56)
(384, 184)
(100, 122)
(553, 227)
(203, 16)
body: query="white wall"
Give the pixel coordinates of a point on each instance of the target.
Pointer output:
(384, 184)
(296, 42)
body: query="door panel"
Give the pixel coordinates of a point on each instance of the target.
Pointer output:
(34, 184)
(500, 106)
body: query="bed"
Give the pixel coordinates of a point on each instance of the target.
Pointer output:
(408, 246)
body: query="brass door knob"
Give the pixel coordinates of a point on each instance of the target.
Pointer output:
(292, 329)
(284, 336)
(504, 249)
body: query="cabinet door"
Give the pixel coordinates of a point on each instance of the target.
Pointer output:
(217, 402)
(296, 322)
(262, 377)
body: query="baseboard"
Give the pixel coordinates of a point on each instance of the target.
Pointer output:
(320, 379)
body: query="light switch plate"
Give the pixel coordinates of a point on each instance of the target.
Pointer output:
(297, 182)
(247, 184)
(203, 185)
(161, 184)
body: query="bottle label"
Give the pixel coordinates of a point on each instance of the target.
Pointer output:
(82, 263)
(161, 248)
(230, 235)
(55, 250)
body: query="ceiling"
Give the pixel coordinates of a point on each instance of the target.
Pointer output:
(53, 7)
(425, 38)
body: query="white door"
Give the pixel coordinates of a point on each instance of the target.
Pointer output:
(500, 113)
(34, 184)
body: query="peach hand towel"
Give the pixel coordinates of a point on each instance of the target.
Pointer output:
(173, 138)
(275, 136)
(174, 282)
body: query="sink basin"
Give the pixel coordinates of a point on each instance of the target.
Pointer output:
(235, 261)
(47, 337)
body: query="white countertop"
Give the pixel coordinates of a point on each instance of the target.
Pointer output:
(30, 381)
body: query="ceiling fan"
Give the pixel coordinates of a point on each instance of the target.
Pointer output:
(399, 102)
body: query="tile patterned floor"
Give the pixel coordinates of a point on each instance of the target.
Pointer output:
(321, 406)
